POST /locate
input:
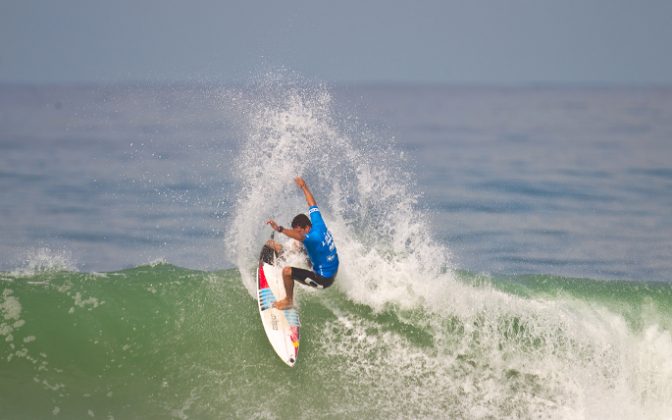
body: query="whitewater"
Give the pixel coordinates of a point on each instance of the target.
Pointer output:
(405, 332)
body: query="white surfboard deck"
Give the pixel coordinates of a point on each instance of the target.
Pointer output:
(281, 326)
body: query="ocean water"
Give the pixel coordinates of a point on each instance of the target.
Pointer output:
(505, 251)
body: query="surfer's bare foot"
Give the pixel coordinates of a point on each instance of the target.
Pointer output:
(283, 304)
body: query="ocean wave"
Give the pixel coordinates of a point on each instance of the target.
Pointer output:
(162, 340)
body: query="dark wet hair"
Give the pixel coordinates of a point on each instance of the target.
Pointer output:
(301, 220)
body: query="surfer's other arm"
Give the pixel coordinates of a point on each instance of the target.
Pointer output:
(297, 233)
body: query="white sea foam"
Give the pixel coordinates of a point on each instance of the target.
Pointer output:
(10, 306)
(90, 302)
(44, 259)
(10, 309)
(157, 262)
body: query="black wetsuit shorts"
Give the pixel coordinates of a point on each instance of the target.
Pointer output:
(312, 279)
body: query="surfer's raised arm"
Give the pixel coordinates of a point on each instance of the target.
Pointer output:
(301, 224)
(309, 196)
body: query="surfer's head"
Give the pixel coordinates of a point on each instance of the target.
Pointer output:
(302, 222)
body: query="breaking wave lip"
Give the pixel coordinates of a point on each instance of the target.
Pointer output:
(389, 260)
(359, 180)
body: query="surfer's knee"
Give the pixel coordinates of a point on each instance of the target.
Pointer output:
(287, 271)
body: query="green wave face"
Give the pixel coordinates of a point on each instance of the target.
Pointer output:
(165, 342)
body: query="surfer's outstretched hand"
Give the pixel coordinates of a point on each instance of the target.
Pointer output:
(273, 225)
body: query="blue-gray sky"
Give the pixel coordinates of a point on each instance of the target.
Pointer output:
(493, 42)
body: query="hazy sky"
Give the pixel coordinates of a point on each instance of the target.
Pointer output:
(448, 41)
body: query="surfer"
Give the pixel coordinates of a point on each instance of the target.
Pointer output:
(319, 244)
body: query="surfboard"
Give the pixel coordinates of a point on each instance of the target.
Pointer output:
(281, 326)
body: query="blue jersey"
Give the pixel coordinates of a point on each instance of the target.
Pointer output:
(320, 246)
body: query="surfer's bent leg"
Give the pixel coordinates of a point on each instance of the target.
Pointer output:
(288, 301)
(307, 277)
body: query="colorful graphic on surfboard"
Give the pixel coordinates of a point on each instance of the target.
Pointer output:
(281, 326)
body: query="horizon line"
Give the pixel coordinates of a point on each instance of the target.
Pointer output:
(345, 84)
